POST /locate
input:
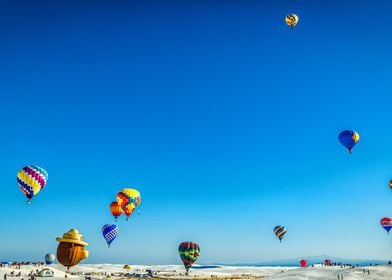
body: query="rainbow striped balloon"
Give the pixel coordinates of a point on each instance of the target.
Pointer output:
(31, 180)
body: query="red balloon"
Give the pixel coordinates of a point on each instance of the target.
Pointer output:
(303, 263)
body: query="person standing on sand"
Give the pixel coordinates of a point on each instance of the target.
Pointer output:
(338, 277)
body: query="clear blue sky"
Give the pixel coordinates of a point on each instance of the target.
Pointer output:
(224, 118)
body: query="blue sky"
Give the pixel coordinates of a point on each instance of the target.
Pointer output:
(224, 118)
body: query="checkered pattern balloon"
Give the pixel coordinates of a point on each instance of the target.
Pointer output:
(110, 233)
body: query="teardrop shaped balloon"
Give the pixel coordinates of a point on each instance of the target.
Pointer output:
(116, 210)
(128, 210)
(189, 252)
(280, 231)
(31, 180)
(49, 258)
(390, 184)
(386, 223)
(349, 138)
(291, 20)
(110, 233)
(303, 263)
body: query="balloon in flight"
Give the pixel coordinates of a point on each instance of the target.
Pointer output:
(291, 20)
(110, 233)
(386, 223)
(349, 138)
(128, 199)
(280, 231)
(31, 180)
(116, 210)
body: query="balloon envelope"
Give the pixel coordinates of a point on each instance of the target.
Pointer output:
(386, 223)
(349, 138)
(49, 258)
(128, 196)
(189, 252)
(110, 233)
(31, 180)
(303, 263)
(291, 20)
(115, 209)
(280, 231)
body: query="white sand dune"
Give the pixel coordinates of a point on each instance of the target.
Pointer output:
(177, 272)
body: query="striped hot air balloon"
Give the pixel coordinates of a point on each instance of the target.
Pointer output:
(110, 233)
(386, 223)
(116, 210)
(189, 252)
(280, 231)
(31, 180)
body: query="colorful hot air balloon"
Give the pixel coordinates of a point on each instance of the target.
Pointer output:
(291, 20)
(303, 263)
(128, 199)
(31, 179)
(49, 258)
(110, 233)
(348, 138)
(128, 210)
(280, 231)
(189, 252)
(70, 250)
(116, 210)
(386, 223)
(390, 184)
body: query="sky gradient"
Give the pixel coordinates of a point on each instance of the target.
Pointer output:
(224, 118)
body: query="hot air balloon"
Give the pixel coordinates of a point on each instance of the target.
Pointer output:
(128, 199)
(386, 223)
(70, 250)
(189, 252)
(348, 138)
(116, 210)
(303, 263)
(49, 258)
(110, 233)
(291, 20)
(128, 210)
(31, 180)
(280, 231)
(390, 184)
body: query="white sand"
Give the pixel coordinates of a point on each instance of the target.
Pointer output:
(177, 271)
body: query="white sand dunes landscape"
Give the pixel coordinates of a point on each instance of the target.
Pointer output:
(109, 271)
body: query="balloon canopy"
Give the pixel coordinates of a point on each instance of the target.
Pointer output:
(280, 231)
(189, 252)
(110, 233)
(349, 138)
(49, 258)
(291, 20)
(31, 180)
(386, 223)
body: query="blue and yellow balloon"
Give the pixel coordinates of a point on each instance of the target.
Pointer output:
(349, 138)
